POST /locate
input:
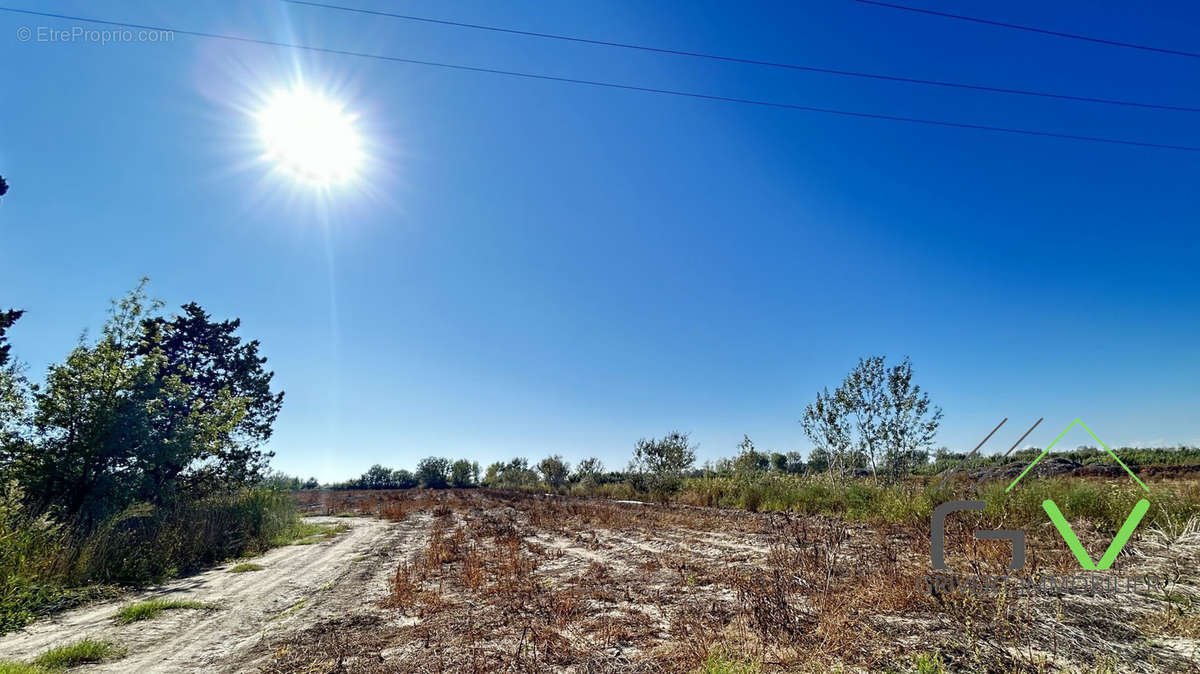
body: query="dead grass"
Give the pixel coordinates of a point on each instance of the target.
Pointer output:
(519, 582)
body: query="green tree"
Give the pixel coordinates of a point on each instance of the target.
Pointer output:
(863, 393)
(589, 472)
(15, 424)
(661, 464)
(909, 422)
(461, 474)
(274, 479)
(877, 417)
(149, 410)
(378, 477)
(554, 471)
(433, 472)
(92, 420)
(779, 462)
(795, 463)
(827, 425)
(517, 473)
(819, 460)
(210, 368)
(7, 318)
(491, 477)
(404, 479)
(749, 459)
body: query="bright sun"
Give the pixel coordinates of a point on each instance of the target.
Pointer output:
(311, 137)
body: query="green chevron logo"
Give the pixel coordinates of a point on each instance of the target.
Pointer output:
(1064, 528)
(1114, 548)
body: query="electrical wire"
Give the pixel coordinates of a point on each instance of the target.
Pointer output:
(1033, 29)
(749, 61)
(613, 85)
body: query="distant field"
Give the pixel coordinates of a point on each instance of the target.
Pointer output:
(494, 580)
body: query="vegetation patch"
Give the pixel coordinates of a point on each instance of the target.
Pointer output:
(78, 653)
(152, 608)
(246, 567)
(308, 533)
(929, 663)
(721, 662)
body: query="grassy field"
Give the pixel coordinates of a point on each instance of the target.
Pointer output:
(810, 577)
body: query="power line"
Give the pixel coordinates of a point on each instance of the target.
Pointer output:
(748, 61)
(613, 85)
(1032, 29)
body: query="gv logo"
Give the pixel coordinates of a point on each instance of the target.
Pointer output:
(937, 537)
(1114, 548)
(937, 526)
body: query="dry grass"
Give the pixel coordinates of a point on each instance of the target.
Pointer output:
(519, 582)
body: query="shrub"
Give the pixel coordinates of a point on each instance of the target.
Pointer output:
(659, 465)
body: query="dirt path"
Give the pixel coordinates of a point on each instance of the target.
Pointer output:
(299, 584)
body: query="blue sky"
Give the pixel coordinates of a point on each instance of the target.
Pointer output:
(530, 267)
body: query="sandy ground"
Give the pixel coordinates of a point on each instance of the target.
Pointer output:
(299, 585)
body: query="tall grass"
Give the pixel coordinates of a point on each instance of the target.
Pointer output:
(146, 544)
(1105, 503)
(29, 549)
(45, 567)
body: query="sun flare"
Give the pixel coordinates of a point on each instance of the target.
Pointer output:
(310, 137)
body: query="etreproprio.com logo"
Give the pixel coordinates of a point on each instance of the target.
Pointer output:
(1089, 582)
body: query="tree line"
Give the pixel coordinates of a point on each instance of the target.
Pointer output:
(877, 422)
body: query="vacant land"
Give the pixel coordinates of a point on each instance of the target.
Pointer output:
(514, 582)
(479, 580)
